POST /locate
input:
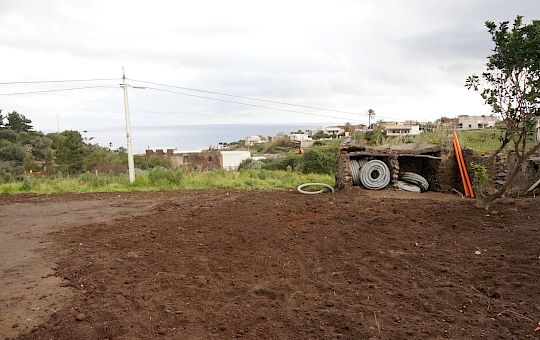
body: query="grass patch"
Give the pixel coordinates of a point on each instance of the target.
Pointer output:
(164, 179)
(481, 141)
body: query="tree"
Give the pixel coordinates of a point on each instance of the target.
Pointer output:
(29, 162)
(18, 122)
(9, 135)
(70, 153)
(511, 86)
(12, 152)
(1, 120)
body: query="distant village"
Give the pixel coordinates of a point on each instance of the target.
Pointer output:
(228, 156)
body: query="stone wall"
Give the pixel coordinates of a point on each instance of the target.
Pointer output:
(498, 172)
(204, 160)
(437, 164)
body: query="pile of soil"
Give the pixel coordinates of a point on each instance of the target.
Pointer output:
(280, 265)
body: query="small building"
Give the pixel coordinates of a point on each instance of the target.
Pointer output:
(402, 130)
(466, 122)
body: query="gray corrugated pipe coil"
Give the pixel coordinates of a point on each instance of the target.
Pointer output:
(373, 174)
(415, 179)
(407, 186)
(356, 165)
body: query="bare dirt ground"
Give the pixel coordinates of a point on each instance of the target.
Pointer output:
(267, 264)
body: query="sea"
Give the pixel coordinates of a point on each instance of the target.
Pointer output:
(190, 137)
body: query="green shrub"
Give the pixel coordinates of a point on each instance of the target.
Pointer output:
(281, 163)
(480, 172)
(319, 161)
(95, 181)
(26, 185)
(164, 177)
(376, 136)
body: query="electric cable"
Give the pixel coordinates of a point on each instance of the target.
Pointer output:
(56, 81)
(248, 104)
(256, 99)
(57, 90)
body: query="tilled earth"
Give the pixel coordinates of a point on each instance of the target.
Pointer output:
(280, 265)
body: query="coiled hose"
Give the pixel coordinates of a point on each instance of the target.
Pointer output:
(324, 188)
(373, 174)
(356, 165)
(407, 186)
(415, 179)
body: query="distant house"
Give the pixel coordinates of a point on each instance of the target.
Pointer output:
(383, 125)
(427, 127)
(360, 128)
(252, 140)
(299, 137)
(334, 131)
(466, 122)
(402, 130)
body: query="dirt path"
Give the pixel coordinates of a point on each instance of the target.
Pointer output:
(30, 291)
(280, 265)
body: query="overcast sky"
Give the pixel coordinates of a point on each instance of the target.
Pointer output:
(404, 59)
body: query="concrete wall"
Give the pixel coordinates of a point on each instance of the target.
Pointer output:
(230, 160)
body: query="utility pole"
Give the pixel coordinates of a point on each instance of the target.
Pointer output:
(58, 123)
(131, 164)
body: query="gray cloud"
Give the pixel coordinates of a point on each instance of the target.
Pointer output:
(404, 59)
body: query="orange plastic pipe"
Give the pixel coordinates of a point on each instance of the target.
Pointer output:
(467, 178)
(461, 171)
(465, 168)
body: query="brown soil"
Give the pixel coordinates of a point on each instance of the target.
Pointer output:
(268, 264)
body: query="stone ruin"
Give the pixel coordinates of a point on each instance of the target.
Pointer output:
(434, 162)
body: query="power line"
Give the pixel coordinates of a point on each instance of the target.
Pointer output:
(58, 90)
(90, 106)
(252, 98)
(247, 104)
(55, 81)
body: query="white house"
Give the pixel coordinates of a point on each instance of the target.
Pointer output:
(252, 140)
(402, 130)
(466, 122)
(333, 130)
(299, 137)
(230, 160)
